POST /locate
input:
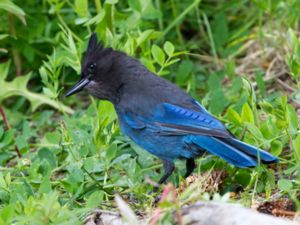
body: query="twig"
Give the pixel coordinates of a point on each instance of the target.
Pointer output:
(205, 58)
(280, 212)
(272, 63)
(286, 86)
(18, 151)
(4, 118)
(267, 79)
(218, 178)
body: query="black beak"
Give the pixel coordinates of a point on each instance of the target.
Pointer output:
(78, 86)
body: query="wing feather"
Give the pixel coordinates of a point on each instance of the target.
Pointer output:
(169, 119)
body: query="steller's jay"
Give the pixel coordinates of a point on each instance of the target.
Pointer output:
(157, 115)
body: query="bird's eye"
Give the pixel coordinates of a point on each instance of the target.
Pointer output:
(92, 67)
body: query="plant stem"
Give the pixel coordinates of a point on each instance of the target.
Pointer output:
(15, 52)
(4, 118)
(177, 25)
(180, 17)
(98, 6)
(160, 19)
(211, 40)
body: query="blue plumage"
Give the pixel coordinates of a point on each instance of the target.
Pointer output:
(159, 116)
(185, 133)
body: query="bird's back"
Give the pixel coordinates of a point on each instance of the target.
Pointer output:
(145, 91)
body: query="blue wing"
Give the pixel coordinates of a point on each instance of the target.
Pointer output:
(202, 130)
(169, 119)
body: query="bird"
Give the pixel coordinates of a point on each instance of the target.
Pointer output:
(159, 116)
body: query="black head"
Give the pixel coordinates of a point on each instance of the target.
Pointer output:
(96, 71)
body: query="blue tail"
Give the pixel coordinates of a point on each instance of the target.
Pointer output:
(252, 151)
(234, 151)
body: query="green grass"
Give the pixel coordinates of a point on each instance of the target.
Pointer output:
(240, 59)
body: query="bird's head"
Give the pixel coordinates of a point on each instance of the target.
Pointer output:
(100, 71)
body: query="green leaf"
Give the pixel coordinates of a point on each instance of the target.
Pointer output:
(292, 39)
(21, 142)
(2, 36)
(169, 48)
(260, 83)
(4, 68)
(172, 61)
(267, 107)
(95, 199)
(111, 152)
(4, 50)
(96, 19)
(71, 55)
(14, 9)
(27, 131)
(144, 36)
(296, 148)
(48, 155)
(148, 10)
(77, 175)
(45, 186)
(269, 128)
(1, 132)
(148, 64)
(230, 68)
(184, 71)
(81, 7)
(220, 30)
(7, 212)
(111, 2)
(250, 91)
(243, 177)
(285, 185)
(236, 86)
(158, 55)
(3, 183)
(233, 116)
(43, 74)
(276, 147)
(92, 165)
(292, 119)
(135, 4)
(7, 179)
(214, 82)
(18, 87)
(218, 101)
(255, 131)
(247, 114)
(8, 137)
(53, 137)
(107, 112)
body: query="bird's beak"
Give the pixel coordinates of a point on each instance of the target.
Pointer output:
(78, 86)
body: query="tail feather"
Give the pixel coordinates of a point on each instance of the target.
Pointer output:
(234, 151)
(226, 151)
(253, 151)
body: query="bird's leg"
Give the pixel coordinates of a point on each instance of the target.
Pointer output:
(190, 166)
(169, 168)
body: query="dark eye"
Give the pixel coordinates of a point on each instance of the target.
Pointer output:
(92, 67)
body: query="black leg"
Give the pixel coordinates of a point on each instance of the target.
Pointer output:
(190, 166)
(169, 168)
